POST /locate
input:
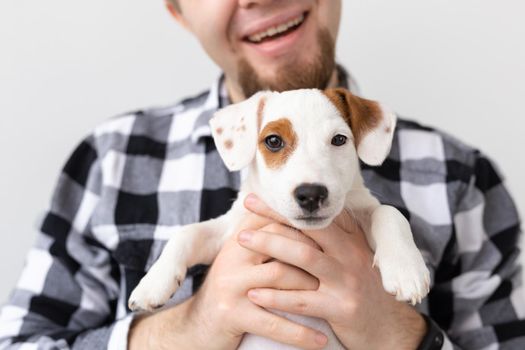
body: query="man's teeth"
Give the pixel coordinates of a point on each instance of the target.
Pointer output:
(276, 30)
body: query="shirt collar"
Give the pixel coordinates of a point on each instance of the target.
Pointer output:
(218, 98)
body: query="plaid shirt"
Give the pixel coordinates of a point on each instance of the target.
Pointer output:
(139, 176)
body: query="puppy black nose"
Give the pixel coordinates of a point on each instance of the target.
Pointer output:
(310, 196)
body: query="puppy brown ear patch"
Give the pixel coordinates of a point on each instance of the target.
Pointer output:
(284, 129)
(338, 99)
(361, 115)
(371, 123)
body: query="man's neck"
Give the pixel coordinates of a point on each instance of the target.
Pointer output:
(236, 94)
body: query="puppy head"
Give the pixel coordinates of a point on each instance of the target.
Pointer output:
(303, 148)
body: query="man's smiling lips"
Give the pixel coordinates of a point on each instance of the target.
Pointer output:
(275, 36)
(275, 31)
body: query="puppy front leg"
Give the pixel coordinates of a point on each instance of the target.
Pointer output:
(189, 245)
(403, 270)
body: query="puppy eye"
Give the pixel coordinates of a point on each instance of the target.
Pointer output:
(338, 140)
(274, 143)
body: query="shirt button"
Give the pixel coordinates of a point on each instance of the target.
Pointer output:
(438, 340)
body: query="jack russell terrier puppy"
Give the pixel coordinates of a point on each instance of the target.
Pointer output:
(301, 148)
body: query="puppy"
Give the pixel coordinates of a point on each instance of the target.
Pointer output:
(301, 149)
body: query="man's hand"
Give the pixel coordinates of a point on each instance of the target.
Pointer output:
(350, 294)
(219, 314)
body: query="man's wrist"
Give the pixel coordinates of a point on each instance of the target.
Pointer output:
(416, 329)
(409, 330)
(160, 330)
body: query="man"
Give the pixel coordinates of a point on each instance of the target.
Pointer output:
(128, 186)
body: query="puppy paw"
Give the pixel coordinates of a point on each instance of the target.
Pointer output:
(404, 274)
(155, 288)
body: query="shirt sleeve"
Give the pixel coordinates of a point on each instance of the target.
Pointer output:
(68, 292)
(478, 297)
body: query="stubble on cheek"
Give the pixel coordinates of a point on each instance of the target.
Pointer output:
(293, 75)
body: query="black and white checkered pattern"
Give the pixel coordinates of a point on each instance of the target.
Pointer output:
(140, 175)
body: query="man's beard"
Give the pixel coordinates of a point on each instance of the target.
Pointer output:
(293, 75)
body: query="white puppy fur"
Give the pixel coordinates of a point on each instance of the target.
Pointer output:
(306, 121)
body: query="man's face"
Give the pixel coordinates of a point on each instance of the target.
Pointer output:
(267, 44)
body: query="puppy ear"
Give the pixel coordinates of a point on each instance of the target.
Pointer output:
(234, 129)
(372, 125)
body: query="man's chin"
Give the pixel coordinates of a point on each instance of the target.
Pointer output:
(289, 73)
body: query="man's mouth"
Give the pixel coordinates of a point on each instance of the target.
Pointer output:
(277, 31)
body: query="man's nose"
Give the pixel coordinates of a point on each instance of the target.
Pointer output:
(310, 196)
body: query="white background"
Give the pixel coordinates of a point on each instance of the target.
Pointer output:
(65, 66)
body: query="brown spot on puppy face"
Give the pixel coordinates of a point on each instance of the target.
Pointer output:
(282, 128)
(219, 131)
(361, 115)
(228, 144)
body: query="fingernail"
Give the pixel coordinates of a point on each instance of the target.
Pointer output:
(321, 339)
(245, 236)
(253, 293)
(251, 199)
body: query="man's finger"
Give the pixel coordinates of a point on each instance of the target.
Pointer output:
(257, 206)
(278, 275)
(339, 236)
(291, 252)
(347, 221)
(253, 221)
(307, 303)
(290, 232)
(268, 325)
